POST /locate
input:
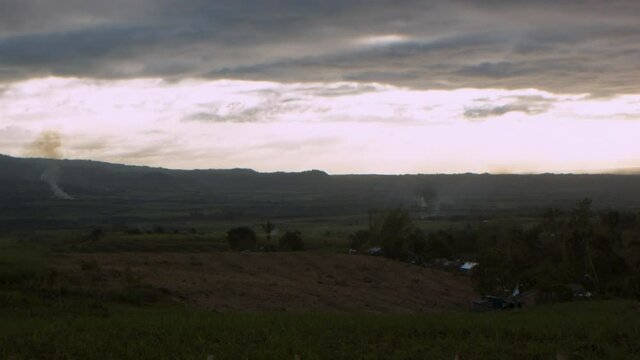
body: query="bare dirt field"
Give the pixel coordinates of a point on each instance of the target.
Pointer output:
(227, 281)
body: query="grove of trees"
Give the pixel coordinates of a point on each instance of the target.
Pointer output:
(599, 251)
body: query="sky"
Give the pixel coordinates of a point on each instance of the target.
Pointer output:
(376, 86)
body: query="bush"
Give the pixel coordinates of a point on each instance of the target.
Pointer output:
(291, 241)
(241, 238)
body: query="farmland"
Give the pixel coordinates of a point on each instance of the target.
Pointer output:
(132, 271)
(167, 305)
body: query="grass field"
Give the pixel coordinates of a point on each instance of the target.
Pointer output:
(39, 319)
(590, 330)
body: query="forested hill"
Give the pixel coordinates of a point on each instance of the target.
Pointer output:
(103, 192)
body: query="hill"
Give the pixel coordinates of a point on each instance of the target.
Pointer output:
(119, 194)
(280, 281)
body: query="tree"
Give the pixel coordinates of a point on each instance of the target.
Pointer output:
(393, 232)
(291, 241)
(241, 238)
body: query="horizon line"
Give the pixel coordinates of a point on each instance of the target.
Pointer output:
(618, 172)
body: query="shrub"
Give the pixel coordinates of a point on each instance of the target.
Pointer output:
(291, 241)
(241, 238)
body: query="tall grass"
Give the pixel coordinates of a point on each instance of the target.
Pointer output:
(20, 262)
(590, 330)
(50, 321)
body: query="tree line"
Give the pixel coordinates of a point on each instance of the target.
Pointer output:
(598, 250)
(244, 238)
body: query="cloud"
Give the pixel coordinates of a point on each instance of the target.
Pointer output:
(340, 89)
(283, 102)
(498, 70)
(498, 111)
(530, 105)
(277, 146)
(566, 46)
(269, 106)
(342, 127)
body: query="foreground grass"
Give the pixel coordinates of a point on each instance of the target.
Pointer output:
(20, 262)
(40, 318)
(86, 330)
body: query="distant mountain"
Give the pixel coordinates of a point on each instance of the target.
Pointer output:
(627, 171)
(115, 193)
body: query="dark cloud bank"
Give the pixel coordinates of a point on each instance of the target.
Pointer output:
(568, 46)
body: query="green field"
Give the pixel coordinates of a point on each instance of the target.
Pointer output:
(41, 320)
(85, 330)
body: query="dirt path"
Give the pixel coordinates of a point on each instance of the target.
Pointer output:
(287, 281)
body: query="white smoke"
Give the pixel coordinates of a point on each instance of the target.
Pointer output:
(421, 202)
(50, 176)
(48, 144)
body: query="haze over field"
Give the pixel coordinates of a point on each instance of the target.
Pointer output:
(344, 86)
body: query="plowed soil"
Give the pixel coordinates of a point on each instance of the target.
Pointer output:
(227, 281)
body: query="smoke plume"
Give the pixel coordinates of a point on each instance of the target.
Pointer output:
(49, 145)
(50, 176)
